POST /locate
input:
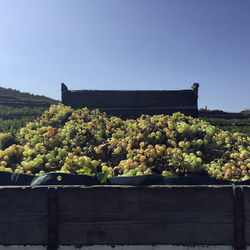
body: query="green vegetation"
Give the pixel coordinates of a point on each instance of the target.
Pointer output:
(12, 119)
(87, 142)
(13, 125)
(234, 122)
(246, 112)
(233, 125)
(18, 108)
(224, 115)
(8, 112)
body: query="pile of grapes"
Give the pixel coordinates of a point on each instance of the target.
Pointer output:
(90, 143)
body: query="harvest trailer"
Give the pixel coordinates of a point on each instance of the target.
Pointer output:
(176, 217)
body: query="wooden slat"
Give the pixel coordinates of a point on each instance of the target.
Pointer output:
(23, 215)
(239, 219)
(137, 112)
(131, 102)
(246, 190)
(52, 219)
(197, 215)
(157, 215)
(130, 99)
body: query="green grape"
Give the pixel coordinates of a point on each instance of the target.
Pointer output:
(88, 142)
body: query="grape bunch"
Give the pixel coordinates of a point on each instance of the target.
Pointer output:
(88, 142)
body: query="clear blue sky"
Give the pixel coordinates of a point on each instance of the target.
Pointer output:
(128, 44)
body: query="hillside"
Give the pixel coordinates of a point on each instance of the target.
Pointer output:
(15, 98)
(18, 108)
(232, 121)
(222, 114)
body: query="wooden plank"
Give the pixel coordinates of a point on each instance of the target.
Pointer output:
(145, 215)
(246, 190)
(23, 215)
(132, 103)
(130, 113)
(239, 218)
(52, 219)
(130, 99)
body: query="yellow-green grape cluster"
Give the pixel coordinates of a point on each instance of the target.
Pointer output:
(10, 158)
(88, 142)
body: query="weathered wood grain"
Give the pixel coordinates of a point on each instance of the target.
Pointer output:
(159, 215)
(198, 215)
(133, 103)
(246, 190)
(23, 215)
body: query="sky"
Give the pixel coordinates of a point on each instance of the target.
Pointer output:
(128, 45)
